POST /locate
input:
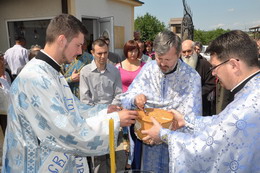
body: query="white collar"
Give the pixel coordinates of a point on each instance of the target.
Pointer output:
(49, 56)
(244, 80)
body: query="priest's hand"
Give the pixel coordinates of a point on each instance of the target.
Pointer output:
(153, 134)
(140, 101)
(127, 117)
(178, 120)
(113, 108)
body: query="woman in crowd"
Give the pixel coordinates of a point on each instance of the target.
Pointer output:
(149, 49)
(142, 56)
(129, 68)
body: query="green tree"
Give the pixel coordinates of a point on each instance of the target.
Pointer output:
(148, 26)
(205, 37)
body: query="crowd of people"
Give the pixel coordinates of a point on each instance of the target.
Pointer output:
(56, 103)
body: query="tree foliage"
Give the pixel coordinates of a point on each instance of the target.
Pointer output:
(205, 37)
(148, 26)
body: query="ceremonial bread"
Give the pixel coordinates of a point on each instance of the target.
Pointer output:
(143, 122)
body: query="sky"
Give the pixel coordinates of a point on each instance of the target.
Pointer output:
(207, 14)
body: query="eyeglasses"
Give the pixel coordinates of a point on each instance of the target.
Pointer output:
(213, 68)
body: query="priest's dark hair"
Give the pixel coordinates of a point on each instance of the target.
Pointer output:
(64, 24)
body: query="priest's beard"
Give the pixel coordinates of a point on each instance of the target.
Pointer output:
(191, 60)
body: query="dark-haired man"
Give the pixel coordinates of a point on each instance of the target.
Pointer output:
(113, 58)
(48, 129)
(100, 83)
(229, 141)
(17, 56)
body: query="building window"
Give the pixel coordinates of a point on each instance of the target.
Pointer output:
(34, 31)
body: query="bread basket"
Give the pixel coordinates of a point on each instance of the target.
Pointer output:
(144, 122)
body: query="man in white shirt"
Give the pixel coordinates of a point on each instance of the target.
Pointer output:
(17, 56)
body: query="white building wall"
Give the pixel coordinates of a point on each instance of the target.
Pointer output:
(123, 14)
(37, 9)
(24, 10)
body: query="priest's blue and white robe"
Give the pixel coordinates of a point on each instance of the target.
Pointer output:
(49, 130)
(179, 90)
(224, 143)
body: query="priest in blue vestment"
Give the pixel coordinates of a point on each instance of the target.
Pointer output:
(166, 83)
(229, 141)
(49, 129)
